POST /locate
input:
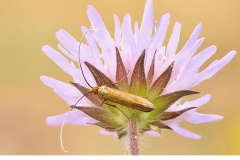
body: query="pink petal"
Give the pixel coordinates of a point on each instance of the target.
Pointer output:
(93, 53)
(153, 133)
(66, 52)
(78, 77)
(146, 27)
(197, 102)
(76, 117)
(104, 40)
(97, 23)
(109, 133)
(183, 132)
(159, 59)
(189, 77)
(157, 40)
(198, 60)
(68, 42)
(173, 41)
(76, 72)
(193, 38)
(72, 100)
(214, 67)
(160, 34)
(136, 32)
(182, 59)
(194, 103)
(193, 117)
(184, 56)
(60, 86)
(128, 45)
(117, 34)
(60, 60)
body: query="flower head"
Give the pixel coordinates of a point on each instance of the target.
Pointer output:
(133, 63)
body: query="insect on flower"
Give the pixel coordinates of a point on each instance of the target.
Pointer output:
(115, 95)
(140, 82)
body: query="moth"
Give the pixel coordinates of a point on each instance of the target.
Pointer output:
(122, 98)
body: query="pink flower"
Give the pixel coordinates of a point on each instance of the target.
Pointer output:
(156, 73)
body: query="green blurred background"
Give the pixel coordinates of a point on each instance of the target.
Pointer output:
(25, 26)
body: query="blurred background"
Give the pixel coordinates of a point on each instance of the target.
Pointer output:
(25, 26)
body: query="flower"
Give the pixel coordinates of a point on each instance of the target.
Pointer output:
(134, 62)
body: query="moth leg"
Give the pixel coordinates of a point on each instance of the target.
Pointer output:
(103, 102)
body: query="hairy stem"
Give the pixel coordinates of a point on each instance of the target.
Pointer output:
(133, 138)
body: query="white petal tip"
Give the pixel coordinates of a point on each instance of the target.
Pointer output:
(45, 47)
(46, 80)
(218, 117)
(233, 52)
(49, 122)
(43, 78)
(214, 47)
(90, 8)
(197, 137)
(199, 25)
(167, 15)
(178, 24)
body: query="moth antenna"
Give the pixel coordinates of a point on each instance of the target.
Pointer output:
(61, 138)
(64, 120)
(119, 80)
(82, 97)
(79, 61)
